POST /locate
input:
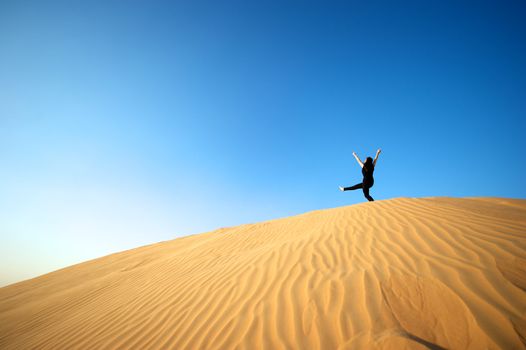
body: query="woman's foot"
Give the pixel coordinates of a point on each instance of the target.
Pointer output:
(341, 188)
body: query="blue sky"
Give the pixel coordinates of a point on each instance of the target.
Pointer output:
(124, 123)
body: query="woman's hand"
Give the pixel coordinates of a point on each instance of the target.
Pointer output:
(354, 153)
(379, 151)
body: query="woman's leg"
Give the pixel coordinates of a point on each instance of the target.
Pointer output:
(366, 193)
(355, 187)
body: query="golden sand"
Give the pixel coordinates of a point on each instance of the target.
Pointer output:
(404, 273)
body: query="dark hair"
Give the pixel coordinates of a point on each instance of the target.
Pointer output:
(369, 162)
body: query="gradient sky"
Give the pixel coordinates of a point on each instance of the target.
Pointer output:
(124, 123)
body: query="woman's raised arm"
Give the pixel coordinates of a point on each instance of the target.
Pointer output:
(358, 159)
(376, 158)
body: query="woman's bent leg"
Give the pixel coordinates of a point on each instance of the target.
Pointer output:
(355, 187)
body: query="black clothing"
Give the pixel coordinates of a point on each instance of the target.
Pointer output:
(367, 172)
(367, 182)
(365, 187)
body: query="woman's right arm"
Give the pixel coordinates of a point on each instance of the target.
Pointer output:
(357, 159)
(376, 158)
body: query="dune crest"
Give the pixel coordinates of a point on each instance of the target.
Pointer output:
(430, 273)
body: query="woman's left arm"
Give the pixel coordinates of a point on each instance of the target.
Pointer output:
(357, 159)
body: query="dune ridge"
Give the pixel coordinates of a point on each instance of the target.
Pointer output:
(406, 273)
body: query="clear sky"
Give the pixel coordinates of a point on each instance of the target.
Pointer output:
(124, 123)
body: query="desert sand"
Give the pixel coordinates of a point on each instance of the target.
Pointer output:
(405, 273)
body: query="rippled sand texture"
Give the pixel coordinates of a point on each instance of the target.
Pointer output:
(428, 273)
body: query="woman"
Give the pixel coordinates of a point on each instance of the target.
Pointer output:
(367, 172)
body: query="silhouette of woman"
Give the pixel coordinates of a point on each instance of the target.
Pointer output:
(367, 172)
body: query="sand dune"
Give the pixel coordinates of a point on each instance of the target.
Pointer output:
(428, 273)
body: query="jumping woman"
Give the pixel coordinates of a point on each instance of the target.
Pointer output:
(367, 172)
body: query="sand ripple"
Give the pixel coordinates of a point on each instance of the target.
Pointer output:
(432, 273)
